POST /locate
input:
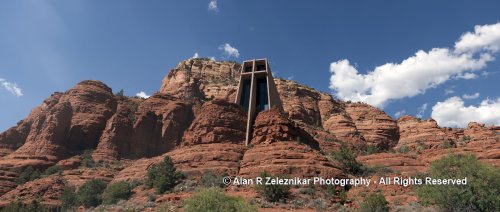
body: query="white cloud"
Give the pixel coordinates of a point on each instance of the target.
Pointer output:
(421, 110)
(400, 113)
(453, 113)
(229, 51)
(472, 96)
(196, 55)
(212, 58)
(290, 77)
(449, 90)
(416, 74)
(484, 38)
(142, 94)
(466, 76)
(11, 87)
(212, 5)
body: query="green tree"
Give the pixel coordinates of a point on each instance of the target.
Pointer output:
(117, 191)
(273, 193)
(214, 200)
(120, 93)
(347, 160)
(87, 160)
(17, 206)
(210, 180)
(53, 170)
(480, 194)
(27, 174)
(68, 198)
(163, 176)
(89, 194)
(374, 202)
(404, 149)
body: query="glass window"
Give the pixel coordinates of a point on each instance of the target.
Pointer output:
(245, 95)
(261, 67)
(262, 101)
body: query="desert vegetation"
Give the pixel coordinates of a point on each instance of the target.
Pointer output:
(480, 193)
(163, 176)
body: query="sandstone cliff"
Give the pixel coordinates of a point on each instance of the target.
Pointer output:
(193, 120)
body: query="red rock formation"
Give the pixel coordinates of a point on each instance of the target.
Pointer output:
(270, 126)
(376, 126)
(15, 137)
(202, 79)
(137, 170)
(478, 132)
(218, 121)
(42, 148)
(210, 137)
(420, 134)
(300, 102)
(62, 125)
(79, 176)
(405, 164)
(343, 127)
(117, 136)
(214, 142)
(47, 190)
(92, 103)
(280, 148)
(160, 123)
(214, 158)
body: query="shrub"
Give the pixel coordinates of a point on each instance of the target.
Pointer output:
(212, 199)
(135, 183)
(163, 176)
(117, 191)
(165, 207)
(480, 193)
(466, 138)
(374, 202)
(120, 93)
(87, 160)
(447, 144)
(17, 206)
(273, 193)
(404, 149)
(371, 149)
(27, 174)
(420, 145)
(337, 192)
(68, 198)
(347, 160)
(53, 170)
(133, 107)
(210, 180)
(89, 194)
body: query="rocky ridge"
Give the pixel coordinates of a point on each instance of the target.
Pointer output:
(193, 120)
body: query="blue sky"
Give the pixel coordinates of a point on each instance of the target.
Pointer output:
(48, 46)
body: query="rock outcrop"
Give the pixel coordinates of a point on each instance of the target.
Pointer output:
(202, 78)
(117, 137)
(280, 148)
(217, 122)
(478, 132)
(160, 123)
(214, 142)
(15, 137)
(375, 125)
(420, 134)
(193, 120)
(47, 190)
